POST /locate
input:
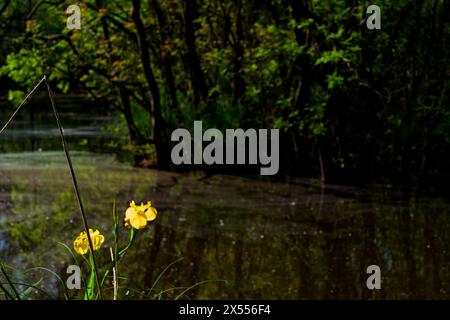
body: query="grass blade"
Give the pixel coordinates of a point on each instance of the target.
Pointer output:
(10, 283)
(25, 294)
(66, 293)
(196, 285)
(6, 292)
(161, 274)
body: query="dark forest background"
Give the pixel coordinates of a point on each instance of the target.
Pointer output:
(352, 104)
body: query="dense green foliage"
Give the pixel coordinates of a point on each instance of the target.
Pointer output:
(351, 102)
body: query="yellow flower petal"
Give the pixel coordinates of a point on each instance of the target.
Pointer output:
(138, 221)
(129, 213)
(81, 243)
(150, 214)
(138, 215)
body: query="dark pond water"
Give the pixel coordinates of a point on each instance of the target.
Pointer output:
(235, 237)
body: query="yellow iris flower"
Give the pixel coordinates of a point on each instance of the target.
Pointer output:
(138, 216)
(81, 243)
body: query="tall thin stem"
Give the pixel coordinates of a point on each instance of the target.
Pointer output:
(21, 104)
(75, 183)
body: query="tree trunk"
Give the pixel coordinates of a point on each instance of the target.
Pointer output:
(239, 84)
(166, 56)
(159, 135)
(133, 132)
(198, 81)
(300, 12)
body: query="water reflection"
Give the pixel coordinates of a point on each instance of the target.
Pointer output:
(290, 240)
(34, 127)
(251, 238)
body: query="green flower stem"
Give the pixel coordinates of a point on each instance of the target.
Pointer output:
(120, 255)
(89, 294)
